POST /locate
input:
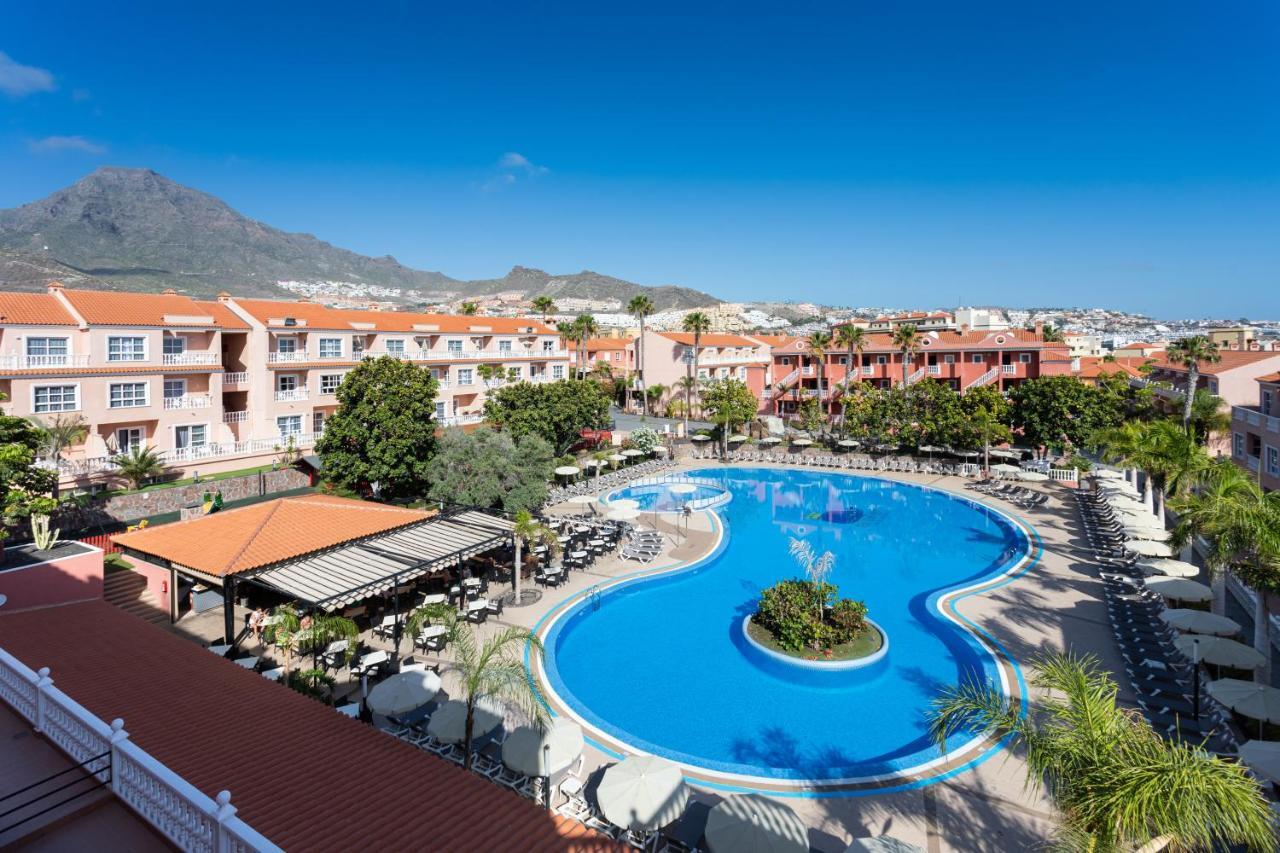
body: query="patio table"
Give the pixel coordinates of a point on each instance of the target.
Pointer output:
(471, 582)
(595, 541)
(478, 604)
(433, 631)
(369, 662)
(434, 598)
(578, 555)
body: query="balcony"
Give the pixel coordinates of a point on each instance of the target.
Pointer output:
(1009, 369)
(191, 358)
(1252, 463)
(1254, 417)
(732, 358)
(291, 396)
(182, 455)
(240, 378)
(235, 417)
(462, 420)
(287, 358)
(189, 401)
(934, 369)
(43, 362)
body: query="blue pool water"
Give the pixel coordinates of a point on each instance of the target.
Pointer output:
(658, 496)
(660, 663)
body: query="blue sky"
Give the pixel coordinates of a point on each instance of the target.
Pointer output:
(918, 154)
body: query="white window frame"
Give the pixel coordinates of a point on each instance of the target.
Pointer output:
(1024, 358)
(317, 422)
(395, 346)
(506, 346)
(548, 347)
(466, 376)
(146, 345)
(75, 403)
(1271, 460)
(66, 344)
(281, 432)
(557, 371)
(204, 441)
(323, 376)
(128, 445)
(179, 382)
(515, 373)
(292, 377)
(882, 359)
(948, 358)
(146, 395)
(180, 340)
(440, 410)
(320, 348)
(453, 345)
(291, 340)
(1237, 445)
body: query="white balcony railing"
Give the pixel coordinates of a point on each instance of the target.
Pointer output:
(1008, 369)
(291, 396)
(43, 362)
(462, 420)
(1253, 417)
(189, 401)
(238, 378)
(467, 355)
(934, 369)
(287, 357)
(1252, 463)
(985, 379)
(733, 358)
(195, 358)
(249, 447)
(169, 803)
(867, 370)
(915, 377)
(235, 417)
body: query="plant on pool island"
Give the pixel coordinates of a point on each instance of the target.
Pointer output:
(1117, 784)
(806, 613)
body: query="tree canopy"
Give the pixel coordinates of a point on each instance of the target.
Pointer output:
(384, 429)
(489, 469)
(1056, 411)
(729, 403)
(556, 411)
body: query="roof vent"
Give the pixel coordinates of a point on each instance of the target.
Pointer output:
(169, 291)
(291, 321)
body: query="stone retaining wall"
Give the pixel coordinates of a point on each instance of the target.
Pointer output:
(138, 505)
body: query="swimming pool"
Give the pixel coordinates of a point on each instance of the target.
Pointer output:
(659, 664)
(660, 497)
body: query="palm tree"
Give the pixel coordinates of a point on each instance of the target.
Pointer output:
(654, 393)
(140, 464)
(569, 334)
(1208, 416)
(585, 328)
(1052, 334)
(544, 305)
(58, 434)
(285, 631)
(527, 530)
(641, 307)
(907, 340)
(1116, 783)
(1191, 352)
(469, 309)
(819, 342)
(1171, 458)
(698, 323)
(687, 384)
(494, 669)
(853, 338)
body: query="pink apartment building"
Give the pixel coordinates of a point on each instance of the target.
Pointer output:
(220, 385)
(1255, 433)
(668, 358)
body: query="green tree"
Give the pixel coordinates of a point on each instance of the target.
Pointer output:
(1209, 415)
(527, 530)
(653, 393)
(59, 433)
(641, 307)
(729, 403)
(1169, 455)
(986, 414)
(907, 339)
(582, 329)
(819, 343)
(139, 465)
(1056, 411)
(556, 411)
(493, 669)
(490, 469)
(1116, 783)
(698, 324)
(384, 430)
(544, 305)
(469, 309)
(1191, 352)
(1052, 334)
(853, 338)
(809, 415)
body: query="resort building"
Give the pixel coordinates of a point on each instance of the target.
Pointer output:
(1138, 350)
(617, 352)
(924, 321)
(226, 384)
(1255, 433)
(668, 358)
(1233, 377)
(981, 319)
(1083, 345)
(1091, 369)
(1235, 338)
(963, 360)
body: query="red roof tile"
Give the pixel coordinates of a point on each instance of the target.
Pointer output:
(301, 774)
(711, 339)
(318, 316)
(1228, 360)
(604, 344)
(33, 309)
(1091, 367)
(108, 308)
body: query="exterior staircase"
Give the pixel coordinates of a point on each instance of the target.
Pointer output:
(127, 590)
(913, 378)
(985, 379)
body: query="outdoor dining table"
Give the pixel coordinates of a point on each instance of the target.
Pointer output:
(578, 555)
(563, 539)
(471, 582)
(433, 631)
(478, 604)
(369, 662)
(434, 598)
(596, 542)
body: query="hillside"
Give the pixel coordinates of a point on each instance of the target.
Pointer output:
(137, 230)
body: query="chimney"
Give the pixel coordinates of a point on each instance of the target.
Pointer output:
(1039, 328)
(55, 287)
(964, 327)
(169, 291)
(224, 297)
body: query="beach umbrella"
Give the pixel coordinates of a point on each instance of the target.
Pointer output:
(1032, 476)
(847, 442)
(881, 844)
(642, 792)
(449, 722)
(1200, 622)
(567, 470)
(617, 457)
(682, 488)
(1180, 589)
(1219, 651)
(1147, 548)
(631, 451)
(1249, 698)
(1150, 533)
(737, 439)
(624, 503)
(594, 463)
(771, 439)
(535, 751)
(1108, 474)
(801, 442)
(750, 822)
(403, 692)
(699, 437)
(659, 450)
(625, 513)
(1005, 468)
(583, 500)
(1170, 568)
(1263, 756)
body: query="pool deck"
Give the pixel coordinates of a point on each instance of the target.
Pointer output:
(1055, 606)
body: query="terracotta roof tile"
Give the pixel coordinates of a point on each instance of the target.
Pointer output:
(225, 317)
(1228, 360)
(1271, 377)
(108, 308)
(247, 538)
(711, 339)
(301, 774)
(33, 309)
(321, 317)
(605, 344)
(1091, 367)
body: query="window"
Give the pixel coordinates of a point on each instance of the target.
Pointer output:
(548, 346)
(357, 345)
(703, 374)
(976, 358)
(504, 347)
(785, 360)
(722, 372)
(175, 388)
(126, 349)
(948, 359)
(329, 383)
(515, 374)
(286, 382)
(126, 395)
(1237, 445)
(464, 376)
(1024, 357)
(55, 398)
(1213, 386)
(440, 410)
(882, 359)
(1273, 461)
(317, 422)
(395, 346)
(617, 355)
(128, 439)
(54, 350)
(190, 435)
(1266, 402)
(289, 425)
(331, 347)
(557, 371)
(286, 344)
(174, 344)
(742, 373)
(455, 347)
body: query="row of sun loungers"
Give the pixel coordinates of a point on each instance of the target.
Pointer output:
(591, 483)
(1019, 495)
(844, 461)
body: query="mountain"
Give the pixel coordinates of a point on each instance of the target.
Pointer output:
(133, 229)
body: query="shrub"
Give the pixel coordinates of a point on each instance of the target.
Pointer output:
(644, 439)
(848, 619)
(789, 611)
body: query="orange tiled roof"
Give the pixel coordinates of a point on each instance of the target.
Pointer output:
(1271, 377)
(1091, 367)
(1229, 359)
(33, 309)
(301, 774)
(240, 540)
(108, 308)
(604, 344)
(224, 316)
(322, 317)
(711, 339)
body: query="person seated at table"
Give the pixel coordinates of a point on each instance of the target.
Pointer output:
(257, 620)
(304, 624)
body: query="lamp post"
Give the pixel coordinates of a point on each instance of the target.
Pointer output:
(1195, 674)
(546, 766)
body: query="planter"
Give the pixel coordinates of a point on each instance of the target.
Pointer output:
(822, 665)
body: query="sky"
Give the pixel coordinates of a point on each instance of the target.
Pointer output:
(913, 154)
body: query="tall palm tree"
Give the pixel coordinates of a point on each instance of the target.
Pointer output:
(641, 307)
(907, 339)
(469, 309)
(586, 328)
(699, 324)
(59, 433)
(654, 394)
(526, 530)
(1171, 458)
(545, 306)
(687, 383)
(852, 338)
(286, 633)
(819, 342)
(1052, 334)
(1116, 783)
(1191, 352)
(1208, 416)
(494, 669)
(569, 333)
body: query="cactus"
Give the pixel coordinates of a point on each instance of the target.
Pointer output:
(43, 538)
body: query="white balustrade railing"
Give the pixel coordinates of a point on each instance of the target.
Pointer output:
(1063, 475)
(935, 369)
(291, 396)
(235, 417)
(868, 369)
(247, 447)
(1253, 417)
(170, 804)
(295, 357)
(192, 358)
(462, 420)
(189, 401)
(985, 379)
(915, 377)
(1009, 369)
(43, 362)
(237, 378)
